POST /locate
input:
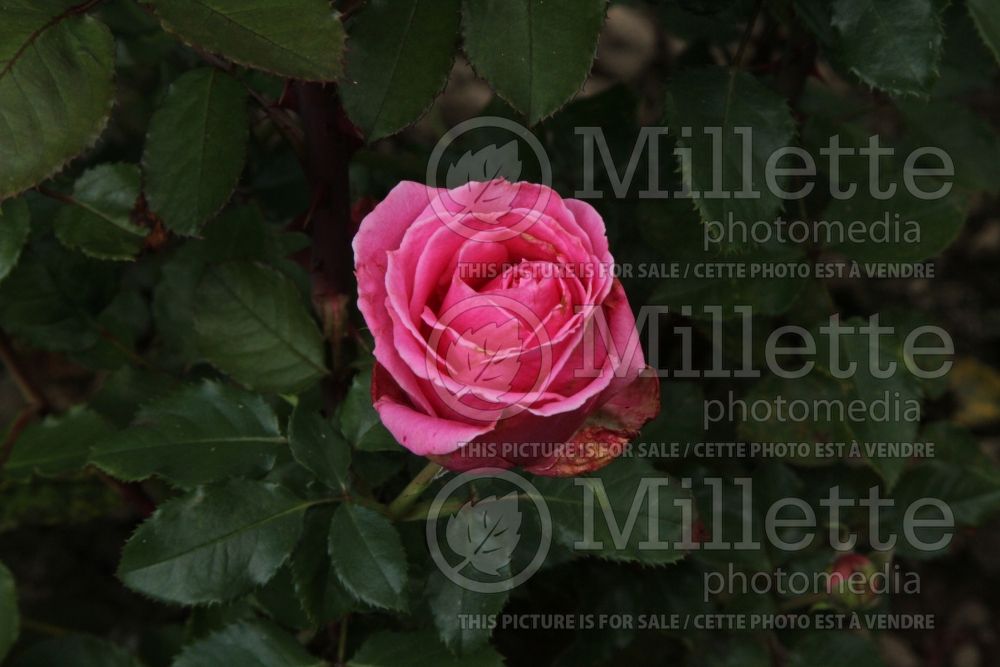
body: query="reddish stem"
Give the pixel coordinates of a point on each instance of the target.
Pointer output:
(331, 140)
(25, 417)
(29, 390)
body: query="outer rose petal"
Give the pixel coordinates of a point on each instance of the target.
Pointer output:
(607, 430)
(586, 439)
(506, 443)
(591, 222)
(418, 432)
(382, 231)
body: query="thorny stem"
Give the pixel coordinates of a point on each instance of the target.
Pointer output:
(85, 7)
(37, 404)
(330, 142)
(31, 393)
(24, 418)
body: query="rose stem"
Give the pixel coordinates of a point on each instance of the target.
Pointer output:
(803, 601)
(342, 641)
(330, 142)
(409, 495)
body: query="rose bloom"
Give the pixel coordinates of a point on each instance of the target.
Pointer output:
(502, 338)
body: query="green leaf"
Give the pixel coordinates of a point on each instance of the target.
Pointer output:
(535, 53)
(736, 652)
(953, 444)
(322, 594)
(96, 220)
(970, 493)
(616, 488)
(75, 651)
(416, 649)
(15, 223)
(986, 14)
(10, 619)
(813, 389)
(900, 389)
(119, 325)
(174, 298)
(318, 447)
(967, 65)
(248, 644)
(960, 133)
(682, 414)
(815, 15)
(452, 605)
(895, 46)
(301, 39)
(368, 556)
(53, 297)
(124, 391)
(360, 423)
(214, 544)
(399, 56)
(722, 101)
(203, 621)
(56, 89)
(923, 227)
(377, 468)
(57, 444)
(239, 232)
(281, 602)
(196, 435)
(252, 324)
(673, 228)
(725, 515)
(835, 648)
(195, 149)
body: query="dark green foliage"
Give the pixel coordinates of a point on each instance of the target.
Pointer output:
(180, 181)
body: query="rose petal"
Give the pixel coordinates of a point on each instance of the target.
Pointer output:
(607, 430)
(517, 441)
(420, 433)
(382, 231)
(591, 222)
(617, 370)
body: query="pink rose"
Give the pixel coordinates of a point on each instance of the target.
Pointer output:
(502, 337)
